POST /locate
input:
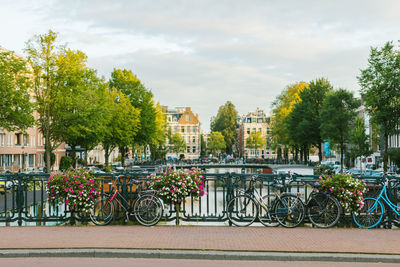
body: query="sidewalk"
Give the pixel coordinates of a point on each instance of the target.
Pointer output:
(189, 241)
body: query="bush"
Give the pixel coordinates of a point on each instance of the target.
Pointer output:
(76, 187)
(174, 186)
(65, 163)
(349, 191)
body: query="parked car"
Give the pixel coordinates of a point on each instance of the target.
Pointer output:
(4, 184)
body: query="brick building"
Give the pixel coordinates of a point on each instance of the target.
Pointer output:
(187, 124)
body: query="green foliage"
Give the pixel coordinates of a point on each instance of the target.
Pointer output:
(174, 186)
(65, 163)
(304, 121)
(16, 109)
(322, 169)
(42, 55)
(177, 143)
(141, 99)
(123, 125)
(225, 123)
(349, 191)
(203, 147)
(359, 140)
(216, 142)
(394, 154)
(282, 107)
(380, 83)
(255, 141)
(336, 115)
(76, 187)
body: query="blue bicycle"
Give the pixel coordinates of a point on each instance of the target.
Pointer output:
(371, 214)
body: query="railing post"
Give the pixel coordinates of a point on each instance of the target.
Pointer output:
(229, 192)
(20, 198)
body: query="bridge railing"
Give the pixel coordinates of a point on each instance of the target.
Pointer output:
(23, 199)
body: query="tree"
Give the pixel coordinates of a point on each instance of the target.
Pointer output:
(79, 106)
(359, 140)
(141, 99)
(255, 141)
(380, 83)
(158, 147)
(15, 83)
(337, 113)
(281, 108)
(122, 125)
(177, 143)
(42, 55)
(305, 121)
(225, 123)
(203, 148)
(216, 142)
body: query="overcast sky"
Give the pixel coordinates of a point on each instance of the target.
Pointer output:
(203, 53)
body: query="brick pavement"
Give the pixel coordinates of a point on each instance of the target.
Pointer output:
(257, 239)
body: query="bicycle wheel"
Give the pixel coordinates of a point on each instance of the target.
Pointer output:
(370, 215)
(102, 212)
(323, 210)
(266, 214)
(242, 210)
(289, 210)
(148, 210)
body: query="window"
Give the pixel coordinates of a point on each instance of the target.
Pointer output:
(183, 129)
(2, 139)
(31, 159)
(195, 129)
(248, 130)
(26, 140)
(248, 120)
(188, 129)
(188, 149)
(17, 139)
(169, 118)
(187, 117)
(254, 130)
(175, 129)
(260, 120)
(194, 149)
(194, 139)
(259, 129)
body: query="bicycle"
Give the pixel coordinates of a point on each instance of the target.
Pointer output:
(322, 208)
(147, 208)
(284, 209)
(371, 214)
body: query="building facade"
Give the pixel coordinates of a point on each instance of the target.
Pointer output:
(256, 121)
(187, 124)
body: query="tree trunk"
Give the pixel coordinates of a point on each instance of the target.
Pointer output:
(319, 151)
(106, 155)
(48, 153)
(341, 157)
(385, 153)
(73, 153)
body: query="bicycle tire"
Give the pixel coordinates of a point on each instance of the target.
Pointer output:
(289, 210)
(148, 209)
(370, 215)
(102, 212)
(266, 214)
(323, 210)
(242, 210)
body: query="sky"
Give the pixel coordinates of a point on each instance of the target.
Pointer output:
(201, 54)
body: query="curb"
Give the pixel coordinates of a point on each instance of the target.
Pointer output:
(199, 254)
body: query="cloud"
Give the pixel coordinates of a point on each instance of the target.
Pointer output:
(204, 53)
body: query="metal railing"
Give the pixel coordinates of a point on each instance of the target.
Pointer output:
(24, 198)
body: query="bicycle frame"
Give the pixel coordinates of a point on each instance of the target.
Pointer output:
(383, 195)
